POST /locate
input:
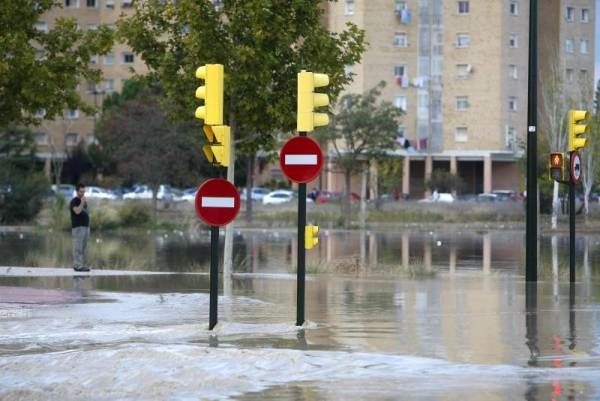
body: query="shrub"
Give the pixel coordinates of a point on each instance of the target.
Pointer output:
(134, 214)
(103, 218)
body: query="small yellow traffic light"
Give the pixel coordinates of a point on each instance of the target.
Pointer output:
(311, 236)
(577, 125)
(218, 148)
(557, 166)
(306, 117)
(212, 93)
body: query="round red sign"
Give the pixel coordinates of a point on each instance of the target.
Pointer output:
(575, 167)
(217, 202)
(301, 159)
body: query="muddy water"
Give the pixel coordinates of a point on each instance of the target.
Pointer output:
(412, 316)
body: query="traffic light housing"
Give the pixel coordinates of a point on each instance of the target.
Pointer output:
(212, 93)
(219, 142)
(577, 126)
(557, 166)
(311, 236)
(306, 117)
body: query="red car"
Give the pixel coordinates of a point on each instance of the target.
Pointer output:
(326, 196)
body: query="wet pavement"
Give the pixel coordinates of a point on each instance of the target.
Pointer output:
(411, 316)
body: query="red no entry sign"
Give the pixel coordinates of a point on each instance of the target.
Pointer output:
(217, 202)
(301, 159)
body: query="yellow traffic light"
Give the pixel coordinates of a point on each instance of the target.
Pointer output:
(217, 150)
(577, 126)
(311, 236)
(212, 93)
(306, 117)
(557, 166)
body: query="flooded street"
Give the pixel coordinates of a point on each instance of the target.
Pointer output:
(390, 315)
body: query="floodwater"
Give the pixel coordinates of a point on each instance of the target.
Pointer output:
(413, 315)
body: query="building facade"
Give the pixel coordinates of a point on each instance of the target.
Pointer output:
(459, 70)
(56, 139)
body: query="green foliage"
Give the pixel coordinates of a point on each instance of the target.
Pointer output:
(389, 170)
(103, 218)
(444, 181)
(22, 186)
(263, 44)
(40, 70)
(60, 218)
(134, 215)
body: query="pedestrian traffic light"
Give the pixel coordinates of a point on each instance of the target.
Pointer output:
(557, 166)
(577, 126)
(212, 93)
(306, 117)
(311, 236)
(218, 148)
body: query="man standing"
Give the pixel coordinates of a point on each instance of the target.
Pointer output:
(80, 228)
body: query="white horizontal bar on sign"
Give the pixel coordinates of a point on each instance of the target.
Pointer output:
(301, 160)
(215, 201)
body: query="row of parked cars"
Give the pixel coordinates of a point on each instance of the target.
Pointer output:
(268, 197)
(165, 192)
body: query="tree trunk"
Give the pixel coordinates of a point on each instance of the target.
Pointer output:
(347, 200)
(555, 205)
(154, 203)
(249, 185)
(228, 246)
(363, 196)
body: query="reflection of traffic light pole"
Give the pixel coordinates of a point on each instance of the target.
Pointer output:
(307, 119)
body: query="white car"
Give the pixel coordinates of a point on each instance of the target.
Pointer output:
(99, 193)
(258, 193)
(144, 192)
(278, 197)
(443, 197)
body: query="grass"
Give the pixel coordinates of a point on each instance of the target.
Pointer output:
(353, 266)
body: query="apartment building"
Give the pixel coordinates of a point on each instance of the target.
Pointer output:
(459, 70)
(55, 139)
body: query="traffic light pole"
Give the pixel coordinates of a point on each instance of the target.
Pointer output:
(214, 276)
(571, 224)
(531, 233)
(300, 281)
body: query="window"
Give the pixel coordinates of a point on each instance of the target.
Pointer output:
(570, 74)
(400, 102)
(462, 7)
(71, 3)
(126, 3)
(460, 134)
(41, 26)
(569, 45)
(94, 59)
(510, 137)
(583, 46)
(513, 40)
(583, 75)
(91, 27)
(90, 3)
(110, 3)
(41, 138)
(109, 85)
(109, 59)
(72, 114)
(512, 103)
(463, 40)
(585, 15)
(349, 7)
(400, 39)
(400, 70)
(348, 71)
(91, 86)
(462, 103)
(399, 5)
(513, 71)
(128, 58)
(514, 7)
(71, 139)
(463, 71)
(41, 113)
(570, 14)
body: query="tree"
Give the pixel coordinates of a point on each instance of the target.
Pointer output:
(263, 44)
(41, 70)
(22, 186)
(145, 147)
(362, 130)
